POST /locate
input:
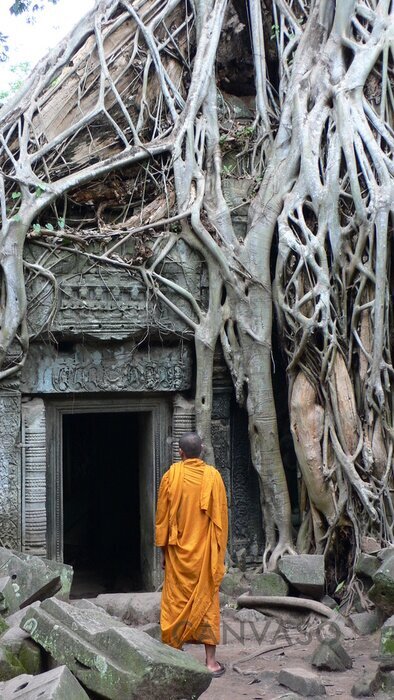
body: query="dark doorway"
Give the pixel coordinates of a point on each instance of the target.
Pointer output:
(101, 504)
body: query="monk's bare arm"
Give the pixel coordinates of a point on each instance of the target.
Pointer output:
(162, 518)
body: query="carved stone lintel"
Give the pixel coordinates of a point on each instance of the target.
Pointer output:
(110, 368)
(10, 468)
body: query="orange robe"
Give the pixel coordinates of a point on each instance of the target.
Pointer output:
(192, 524)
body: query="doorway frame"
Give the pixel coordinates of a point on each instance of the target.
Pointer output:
(160, 412)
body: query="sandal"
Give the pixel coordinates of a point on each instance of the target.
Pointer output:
(219, 672)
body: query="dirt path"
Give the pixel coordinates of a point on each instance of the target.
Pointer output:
(257, 678)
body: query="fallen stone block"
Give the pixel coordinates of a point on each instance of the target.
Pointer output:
(84, 604)
(383, 554)
(58, 684)
(387, 638)
(268, 583)
(330, 602)
(26, 651)
(10, 666)
(370, 545)
(235, 583)
(331, 656)
(300, 680)
(384, 680)
(8, 599)
(363, 688)
(31, 574)
(15, 619)
(305, 572)
(367, 565)
(3, 626)
(366, 622)
(111, 659)
(382, 591)
(153, 629)
(386, 662)
(249, 615)
(131, 608)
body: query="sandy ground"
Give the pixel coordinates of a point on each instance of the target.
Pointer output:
(254, 678)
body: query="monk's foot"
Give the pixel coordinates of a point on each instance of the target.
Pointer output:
(216, 668)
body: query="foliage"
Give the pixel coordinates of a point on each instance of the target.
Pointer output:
(19, 7)
(20, 71)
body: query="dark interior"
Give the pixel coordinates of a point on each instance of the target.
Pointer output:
(101, 502)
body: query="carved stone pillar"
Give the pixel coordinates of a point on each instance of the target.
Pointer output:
(183, 421)
(34, 516)
(10, 468)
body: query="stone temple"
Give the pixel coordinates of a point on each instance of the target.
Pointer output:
(93, 422)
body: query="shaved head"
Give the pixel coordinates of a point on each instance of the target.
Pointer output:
(191, 445)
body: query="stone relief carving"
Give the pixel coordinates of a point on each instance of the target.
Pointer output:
(10, 468)
(120, 368)
(183, 421)
(108, 303)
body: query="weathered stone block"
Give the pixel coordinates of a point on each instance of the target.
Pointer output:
(234, 584)
(58, 684)
(3, 626)
(305, 572)
(112, 659)
(15, 619)
(387, 638)
(153, 629)
(249, 615)
(366, 622)
(84, 604)
(302, 681)
(10, 666)
(363, 688)
(369, 545)
(383, 554)
(367, 565)
(131, 608)
(384, 680)
(30, 574)
(269, 583)
(240, 558)
(331, 656)
(330, 602)
(8, 599)
(382, 591)
(26, 651)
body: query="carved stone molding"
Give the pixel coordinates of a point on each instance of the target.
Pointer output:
(10, 469)
(101, 369)
(34, 516)
(183, 421)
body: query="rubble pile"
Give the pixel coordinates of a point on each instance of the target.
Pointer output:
(297, 589)
(110, 647)
(59, 650)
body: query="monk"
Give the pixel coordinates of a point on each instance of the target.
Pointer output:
(191, 530)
